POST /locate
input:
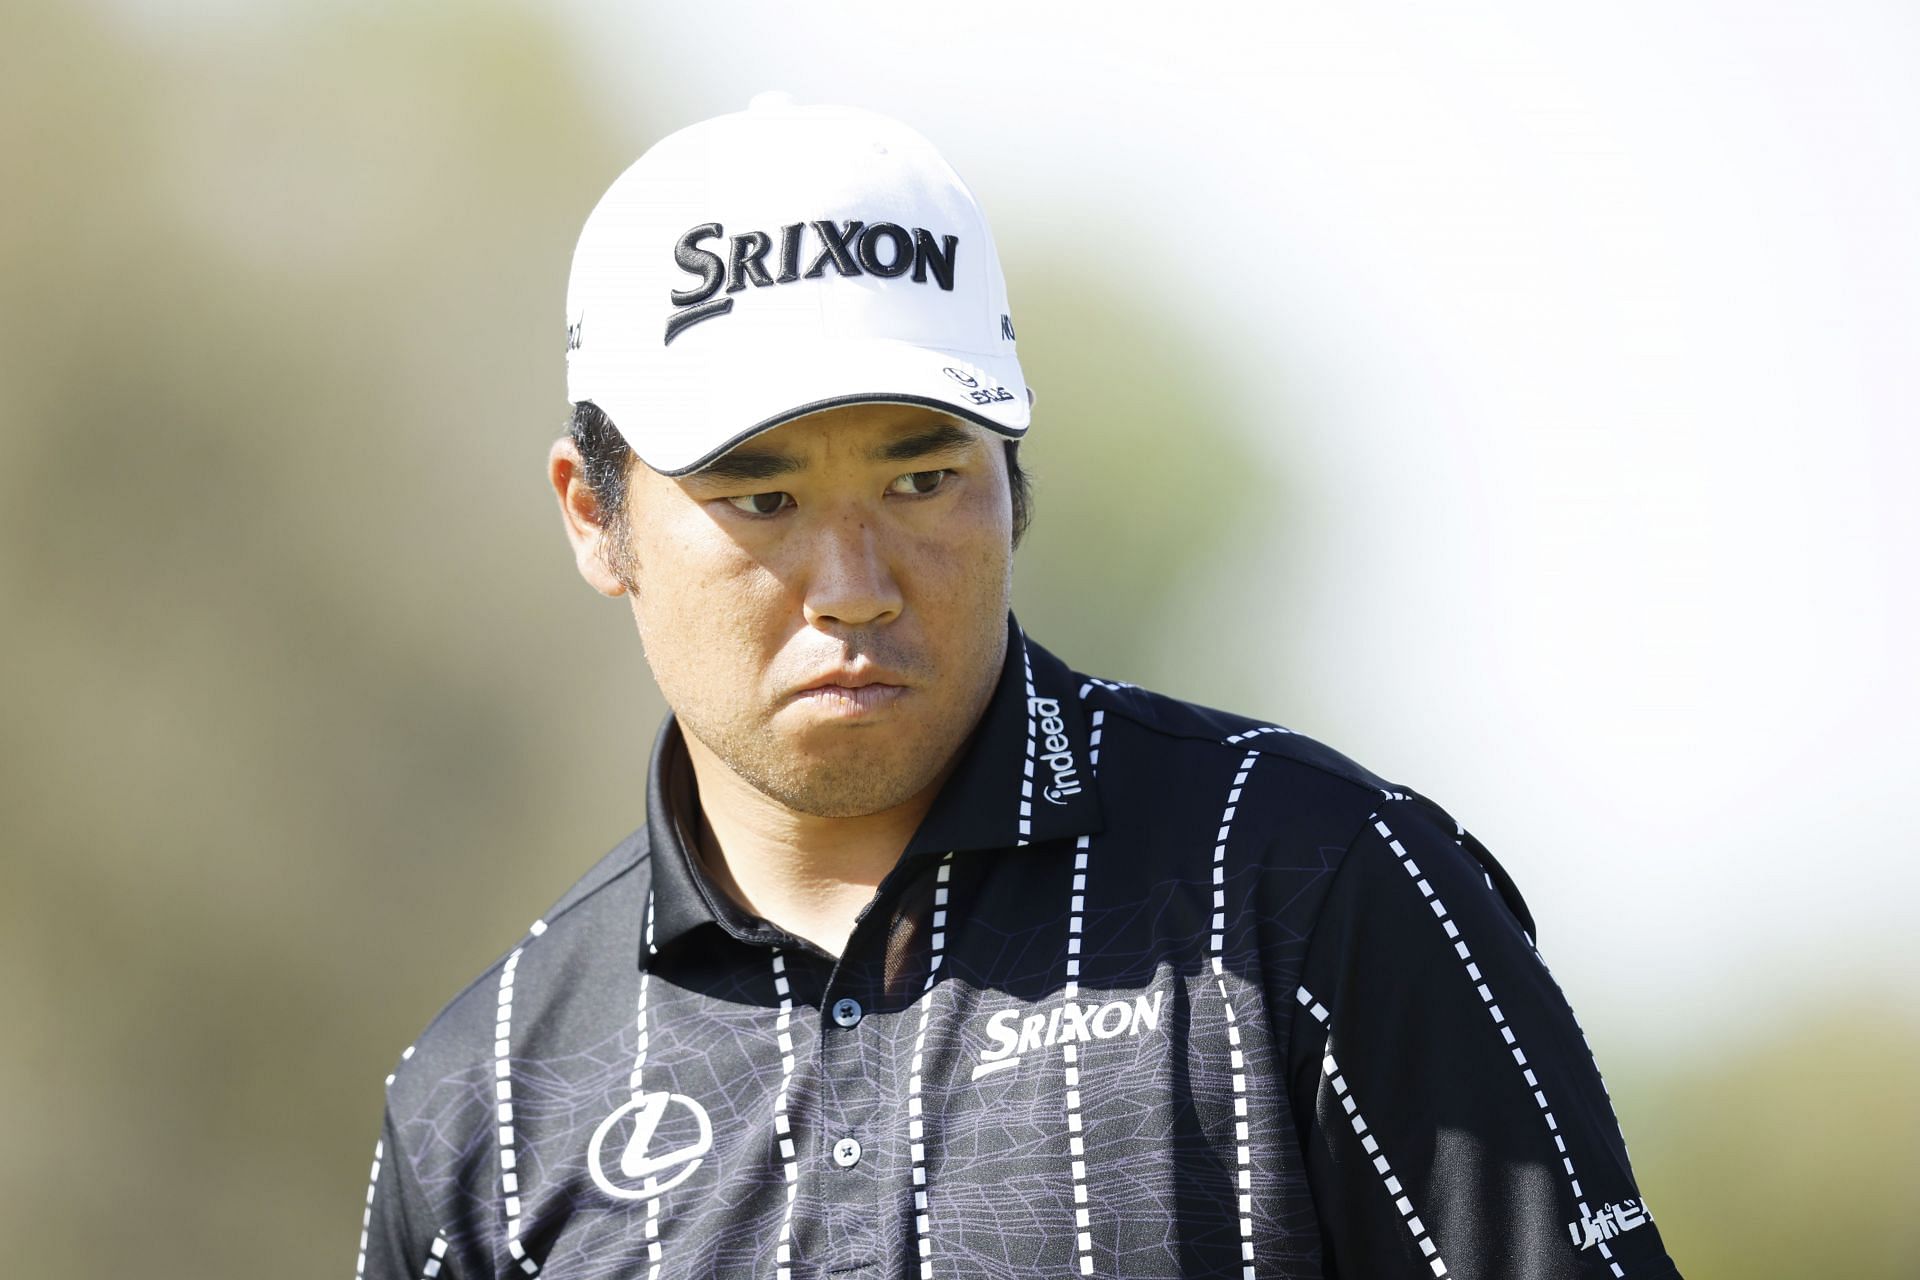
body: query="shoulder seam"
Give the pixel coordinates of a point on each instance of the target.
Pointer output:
(1123, 707)
(1248, 737)
(643, 854)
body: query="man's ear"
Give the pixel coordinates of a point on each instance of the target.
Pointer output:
(589, 529)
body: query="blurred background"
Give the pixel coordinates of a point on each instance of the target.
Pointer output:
(1522, 403)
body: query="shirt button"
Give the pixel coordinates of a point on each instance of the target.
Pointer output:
(847, 1012)
(846, 1153)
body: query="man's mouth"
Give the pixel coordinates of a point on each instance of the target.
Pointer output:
(853, 691)
(851, 700)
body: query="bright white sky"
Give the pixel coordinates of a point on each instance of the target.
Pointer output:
(1620, 298)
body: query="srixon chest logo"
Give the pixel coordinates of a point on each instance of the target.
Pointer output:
(1017, 1032)
(850, 248)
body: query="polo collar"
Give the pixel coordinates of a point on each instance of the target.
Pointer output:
(1024, 777)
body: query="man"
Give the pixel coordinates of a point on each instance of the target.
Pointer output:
(935, 956)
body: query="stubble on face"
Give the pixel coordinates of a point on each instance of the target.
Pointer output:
(853, 771)
(723, 613)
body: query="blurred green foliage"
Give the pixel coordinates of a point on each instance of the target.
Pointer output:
(307, 712)
(1791, 1151)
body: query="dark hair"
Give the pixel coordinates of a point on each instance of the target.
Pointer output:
(606, 457)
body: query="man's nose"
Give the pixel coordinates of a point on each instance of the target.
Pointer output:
(850, 578)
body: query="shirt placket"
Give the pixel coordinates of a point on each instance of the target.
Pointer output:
(860, 1213)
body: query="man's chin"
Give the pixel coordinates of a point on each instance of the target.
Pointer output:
(860, 797)
(846, 771)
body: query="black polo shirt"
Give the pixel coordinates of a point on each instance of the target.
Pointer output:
(1155, 991)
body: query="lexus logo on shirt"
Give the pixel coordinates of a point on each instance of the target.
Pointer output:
(669, 1135)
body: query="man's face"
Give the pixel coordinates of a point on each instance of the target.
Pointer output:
(825, 606)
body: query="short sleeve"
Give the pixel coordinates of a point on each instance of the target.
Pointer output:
(1452, 1119)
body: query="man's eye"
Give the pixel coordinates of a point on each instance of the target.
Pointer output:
(918, 482)
(762, 504)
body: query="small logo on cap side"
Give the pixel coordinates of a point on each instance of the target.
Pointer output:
(989, 393)
(573, 332)
(884, 249)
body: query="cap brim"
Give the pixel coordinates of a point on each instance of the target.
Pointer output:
(712, 410)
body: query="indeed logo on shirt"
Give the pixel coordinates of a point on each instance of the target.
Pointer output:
(1059, 751)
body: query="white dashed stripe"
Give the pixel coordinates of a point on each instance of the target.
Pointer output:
(1370, 1144)
(404, 1055)
(1033, 729)
(1070, 1052)
(641, 1038)
(503, 1097)
(916, 1131)
(1243, 1148)
(641, 1042)
(366, 1215)
(1500, 1023)
(1588, 1044)
(1095, 682)
(652, 1233)
(1611, 1113)
(1460, 838)
(1239, 738)
(782, 1132)
(1218, 943)
(1076, 914)
(436, 1257)
(1077, 921)
(373, 1184)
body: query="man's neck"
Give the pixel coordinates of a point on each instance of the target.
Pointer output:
(811, 876)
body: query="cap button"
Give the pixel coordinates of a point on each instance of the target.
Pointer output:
(771, 100)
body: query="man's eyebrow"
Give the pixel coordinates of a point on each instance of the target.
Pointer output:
(945, 438)
(749, 464)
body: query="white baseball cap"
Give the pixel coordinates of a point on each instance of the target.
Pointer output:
(780, 260)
